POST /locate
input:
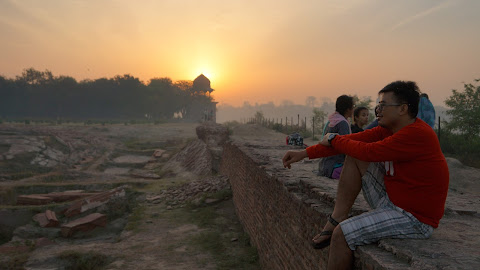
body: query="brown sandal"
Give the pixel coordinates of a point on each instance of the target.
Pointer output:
(325, 243)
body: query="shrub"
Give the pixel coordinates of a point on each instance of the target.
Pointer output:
(455, 145)
(84, 260)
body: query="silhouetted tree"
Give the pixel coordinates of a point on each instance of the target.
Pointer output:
(40, 94)
(465, 110)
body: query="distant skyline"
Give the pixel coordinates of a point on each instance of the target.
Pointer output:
(258, 51)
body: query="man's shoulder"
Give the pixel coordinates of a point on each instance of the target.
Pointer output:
(420, 124)
(420, 129)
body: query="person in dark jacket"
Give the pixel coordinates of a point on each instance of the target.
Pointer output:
(337, 123)
(360, 119)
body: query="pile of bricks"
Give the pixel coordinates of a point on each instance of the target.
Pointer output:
(82, 203)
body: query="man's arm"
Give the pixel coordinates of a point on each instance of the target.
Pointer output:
(398, 147)
(371, 135)
(293, 156)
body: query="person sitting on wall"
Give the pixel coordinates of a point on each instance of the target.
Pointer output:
(360, 119)
(426, 111)
(337, 123)
(401, 169)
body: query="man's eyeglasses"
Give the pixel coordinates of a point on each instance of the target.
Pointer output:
(381, 106)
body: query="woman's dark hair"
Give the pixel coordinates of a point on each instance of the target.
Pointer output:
(343, 104)
(405, 93)
(358, 110)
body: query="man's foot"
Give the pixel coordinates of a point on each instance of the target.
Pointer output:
(322, 239)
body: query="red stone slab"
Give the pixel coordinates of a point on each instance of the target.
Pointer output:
(93, 201)
(84, 224)
(33, 200)
(67, 196)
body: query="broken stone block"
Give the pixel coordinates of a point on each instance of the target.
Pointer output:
(47, 219)
(94, 201)
(33, 200)
(84, 224)
(158, 153)
(67, 196)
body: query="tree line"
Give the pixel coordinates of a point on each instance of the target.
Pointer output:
(39, 94)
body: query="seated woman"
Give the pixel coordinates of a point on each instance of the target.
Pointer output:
(360, 119)
(337, 123)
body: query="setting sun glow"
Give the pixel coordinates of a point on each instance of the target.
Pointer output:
(265, 51)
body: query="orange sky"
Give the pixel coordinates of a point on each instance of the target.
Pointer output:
(256, 51)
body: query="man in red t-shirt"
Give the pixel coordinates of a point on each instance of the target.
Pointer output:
(400, 168)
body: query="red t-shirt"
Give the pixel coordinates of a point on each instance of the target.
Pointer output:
(417, 174)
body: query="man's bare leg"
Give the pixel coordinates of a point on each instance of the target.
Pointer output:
(340, 256)
(349, 185)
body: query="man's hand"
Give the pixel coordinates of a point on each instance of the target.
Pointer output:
(324, 141)
(293, 156)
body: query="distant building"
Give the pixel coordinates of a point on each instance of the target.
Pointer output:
(204, 109)
(201, 84)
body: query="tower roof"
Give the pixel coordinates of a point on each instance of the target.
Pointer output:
(202, 83)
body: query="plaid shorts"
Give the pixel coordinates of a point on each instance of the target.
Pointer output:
(386, 220)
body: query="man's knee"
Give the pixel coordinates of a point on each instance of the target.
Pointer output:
(361, 165)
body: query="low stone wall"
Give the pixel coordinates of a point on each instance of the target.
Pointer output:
(283, 209)
(277, 220)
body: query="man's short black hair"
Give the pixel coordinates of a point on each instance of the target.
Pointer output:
(405, 92)
(343, 104)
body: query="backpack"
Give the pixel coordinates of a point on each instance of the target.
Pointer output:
(295, 139)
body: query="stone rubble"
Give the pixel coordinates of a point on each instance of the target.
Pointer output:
(48, 147)
(191, 191)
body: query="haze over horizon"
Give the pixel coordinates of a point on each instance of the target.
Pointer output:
(251, 51)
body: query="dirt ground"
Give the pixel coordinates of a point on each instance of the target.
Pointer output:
(179, 221)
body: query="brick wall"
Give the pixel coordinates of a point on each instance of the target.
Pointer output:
(283, 209)
(274, 214)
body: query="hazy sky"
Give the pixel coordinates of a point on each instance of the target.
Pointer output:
(256, 51)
